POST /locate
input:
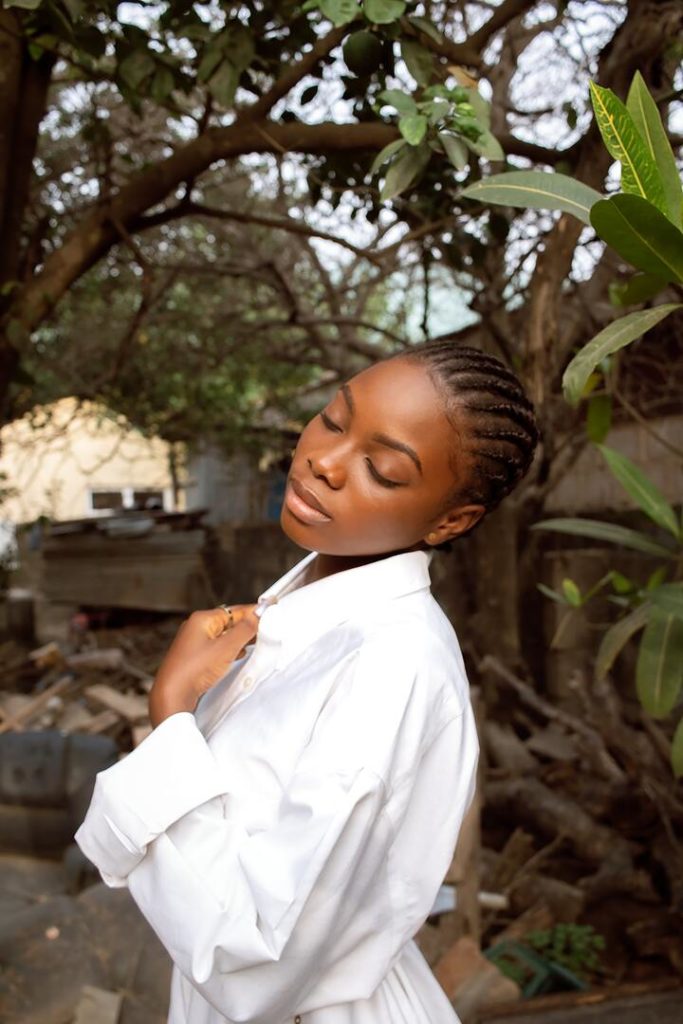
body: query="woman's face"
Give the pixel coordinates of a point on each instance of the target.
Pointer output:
(372, 472)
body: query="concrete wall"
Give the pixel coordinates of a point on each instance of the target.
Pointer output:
(590, 487)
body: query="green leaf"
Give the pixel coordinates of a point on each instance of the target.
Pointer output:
(418, 60)
(609, 532)
(413, 128)
(645, 114)
(423, 25)
(25, 5)
(223, 83)
(456, 150)
(639, 173)
(616, 638)
(386, 154)
(383, 12)
(641, 234)
(572, 593)
(163, 84)
(659, 669)
(677, 750)
(136, 67)
(552, 594)
(613, 337)
(401, 101)
(669, 598)
(643, 491)
(640, 288)
(536, 190)
(340, 12)
(405, 169)
(480, 106)
(309, 93)
(210, 60)
(487, 145)
(237, 44)
(599, 417)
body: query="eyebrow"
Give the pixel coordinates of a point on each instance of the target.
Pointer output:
(398, 446)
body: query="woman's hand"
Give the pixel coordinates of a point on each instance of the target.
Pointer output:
(201, 653)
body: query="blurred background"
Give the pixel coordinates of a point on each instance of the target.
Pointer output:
(211, 214)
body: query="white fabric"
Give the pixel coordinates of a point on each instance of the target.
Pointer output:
(287, 840)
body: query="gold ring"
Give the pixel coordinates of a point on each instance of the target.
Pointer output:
(231, 617)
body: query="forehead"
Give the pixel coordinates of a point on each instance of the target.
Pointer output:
(399, 398)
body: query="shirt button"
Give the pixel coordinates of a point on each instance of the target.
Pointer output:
(247, 683)
(297, 1019)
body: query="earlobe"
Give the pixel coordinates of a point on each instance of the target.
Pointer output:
(457, 522)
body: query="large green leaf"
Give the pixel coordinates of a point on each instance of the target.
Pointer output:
(645, 114)
(677, 750)
(487, 145)
(402, 101)
(597, 530)
(617, 636)
(643, 491)
(419, 61)
(641, 234)
(613, 337)
(383, 12)
(537, 190)
(413, 128)
(391, 149)
(639, 173)
(659, 669)
(456, 150)
(404, 170)
(668, 597)
(340, 12)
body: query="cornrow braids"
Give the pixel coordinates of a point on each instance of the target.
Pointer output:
(487, 400)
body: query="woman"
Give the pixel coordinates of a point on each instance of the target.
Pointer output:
(286, 834)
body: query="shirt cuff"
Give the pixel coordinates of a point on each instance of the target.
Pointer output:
(171, 772)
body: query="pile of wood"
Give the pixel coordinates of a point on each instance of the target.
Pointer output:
(101, 690)
(583, 822)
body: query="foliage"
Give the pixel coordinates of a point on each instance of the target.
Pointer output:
(643, 223)
(574, 946)
(655, 607)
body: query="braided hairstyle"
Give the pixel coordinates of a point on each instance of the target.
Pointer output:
(487, 404)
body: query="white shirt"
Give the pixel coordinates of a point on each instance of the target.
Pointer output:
(287, 840)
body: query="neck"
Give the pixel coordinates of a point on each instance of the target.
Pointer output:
(325, 565)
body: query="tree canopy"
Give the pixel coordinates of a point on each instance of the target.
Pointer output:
(199, 210)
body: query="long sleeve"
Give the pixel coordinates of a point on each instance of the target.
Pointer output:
(251, 919)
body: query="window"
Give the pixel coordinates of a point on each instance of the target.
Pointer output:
(142, 499)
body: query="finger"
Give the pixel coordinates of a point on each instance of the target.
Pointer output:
(227, 617)
(229, 644)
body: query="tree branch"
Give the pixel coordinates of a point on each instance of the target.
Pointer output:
(278, 223)
(293, 76)
(96, 233)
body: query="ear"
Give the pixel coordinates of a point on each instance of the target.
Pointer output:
(454, 523)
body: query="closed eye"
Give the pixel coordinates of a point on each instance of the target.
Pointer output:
(382, 480)
(330, 424)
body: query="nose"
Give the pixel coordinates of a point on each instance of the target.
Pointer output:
(328, 466)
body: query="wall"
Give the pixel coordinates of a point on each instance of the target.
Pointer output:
(53, 465)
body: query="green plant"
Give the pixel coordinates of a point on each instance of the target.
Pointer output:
(642, 222)
(655, 606)
(574, 946)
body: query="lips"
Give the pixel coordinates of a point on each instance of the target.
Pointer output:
(304, 504)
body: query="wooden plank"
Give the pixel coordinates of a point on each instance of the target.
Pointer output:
(36, 704)
(97, 1006)
(130, 706)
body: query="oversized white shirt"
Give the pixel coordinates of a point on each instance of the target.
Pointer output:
(287, 840)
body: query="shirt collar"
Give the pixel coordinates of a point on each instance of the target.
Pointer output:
(293, 618)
